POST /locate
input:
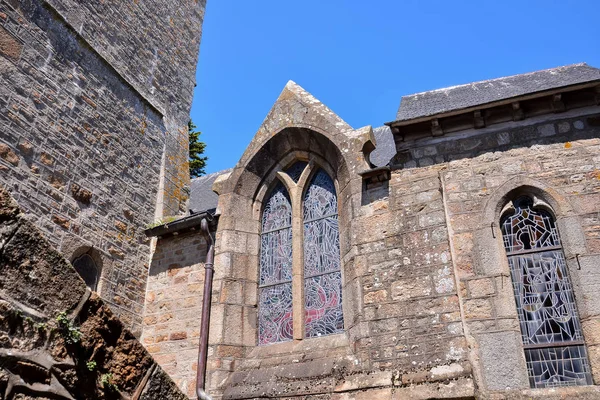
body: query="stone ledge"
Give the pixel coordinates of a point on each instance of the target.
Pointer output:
(345, 379)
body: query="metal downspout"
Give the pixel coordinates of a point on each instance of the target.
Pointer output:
(206, 300)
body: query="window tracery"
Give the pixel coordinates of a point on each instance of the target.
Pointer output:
(320, 275)
(550, 328)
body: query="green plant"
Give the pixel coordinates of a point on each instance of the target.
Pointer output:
(107, 382)
(91, 365)
(70, 333)
(162, 221)
(197, 163)
(40, 326)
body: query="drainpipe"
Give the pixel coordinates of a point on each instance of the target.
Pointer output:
(208, 277)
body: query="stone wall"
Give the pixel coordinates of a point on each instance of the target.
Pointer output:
(174, 306)
(403, 332)
(58, 339)
(429, 310)
(154, 46)
(556, 159)
(94, 102)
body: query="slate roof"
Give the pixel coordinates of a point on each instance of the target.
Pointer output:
(202, 198)
(453, 98)
(385, 147)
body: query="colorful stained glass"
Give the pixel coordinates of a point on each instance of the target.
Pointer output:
(296, 170)
(275, 322)
(276, 257)
(275, 290)
(550, 326)
(322, 279)
(320, 200)
(323, 306)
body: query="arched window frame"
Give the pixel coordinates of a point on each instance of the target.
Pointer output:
(550, 255)
(92, 257)
(297, 187)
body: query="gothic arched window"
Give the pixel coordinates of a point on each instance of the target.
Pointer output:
(306, 276)
(550, 329)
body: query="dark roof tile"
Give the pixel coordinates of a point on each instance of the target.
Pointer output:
(453, 98)
(385, 147)
(202, 197)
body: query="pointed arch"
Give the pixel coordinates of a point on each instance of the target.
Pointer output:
(551, 331)
(521, 184)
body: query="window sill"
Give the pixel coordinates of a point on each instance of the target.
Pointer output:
(300, 346)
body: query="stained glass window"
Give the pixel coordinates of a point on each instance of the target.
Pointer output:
(550, 327)
(275, 323)
(321, 271)
(322, 277)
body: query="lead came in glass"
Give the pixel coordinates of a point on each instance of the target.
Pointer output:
(322, 278)
(550, 327)
(275, 289)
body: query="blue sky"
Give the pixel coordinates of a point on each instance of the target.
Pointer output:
(359, 58)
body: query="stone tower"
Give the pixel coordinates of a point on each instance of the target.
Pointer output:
(94, 105)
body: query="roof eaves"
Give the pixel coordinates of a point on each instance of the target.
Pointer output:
(186, 223)
(508, 100)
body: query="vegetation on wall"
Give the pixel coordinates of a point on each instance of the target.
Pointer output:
(197, 162)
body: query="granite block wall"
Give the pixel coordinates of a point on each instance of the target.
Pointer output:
(554, 158)
(174, 306)
(94, 103)
(58, 339)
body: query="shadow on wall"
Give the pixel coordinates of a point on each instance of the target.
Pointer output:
(61, 341)
(87, 261)
(178, 252)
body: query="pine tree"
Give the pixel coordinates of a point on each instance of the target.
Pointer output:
(197, 163)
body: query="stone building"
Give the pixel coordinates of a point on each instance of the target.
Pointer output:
(450, 253)
(94, 105)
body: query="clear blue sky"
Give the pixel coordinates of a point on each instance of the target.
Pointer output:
(359, 58)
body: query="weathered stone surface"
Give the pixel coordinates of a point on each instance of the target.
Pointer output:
(160, 386)
(34, 273)
(57, 340)
(426, 285)
(87, 113)
(10, 47)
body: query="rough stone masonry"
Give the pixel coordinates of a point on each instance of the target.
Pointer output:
(428, 302)
(94, 105)
(58, 339)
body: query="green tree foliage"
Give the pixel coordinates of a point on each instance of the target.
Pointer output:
(197, 162)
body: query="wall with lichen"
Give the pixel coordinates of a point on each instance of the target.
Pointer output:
(94, 105)
(58, 339)
(429, 309)
(154, 46)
